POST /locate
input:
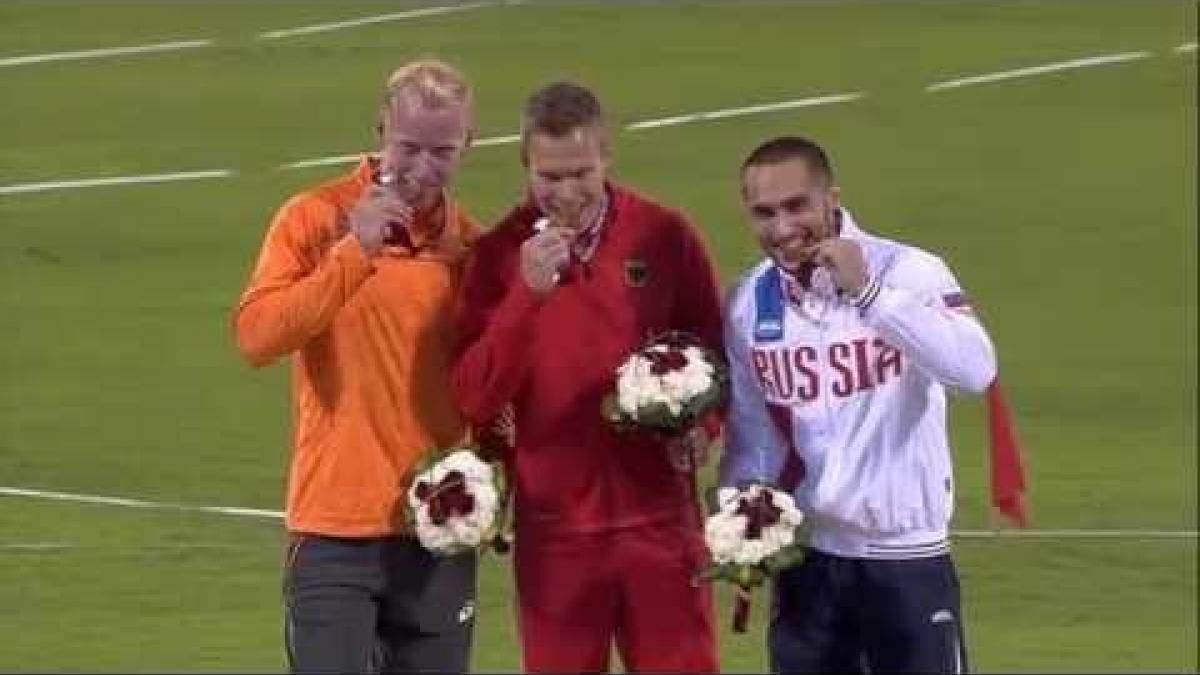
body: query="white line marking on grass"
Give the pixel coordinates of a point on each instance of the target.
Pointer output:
(636, 126)
(1077, 534)
(748, 110)
(137, 503)
(99, 53)
(497, 140)
(264, 513)
(366, 20)
(36, 547)
(322, 161)
(1185, 48)
(113, 180)
(351, 159)
(1038, 70)
(54, 547)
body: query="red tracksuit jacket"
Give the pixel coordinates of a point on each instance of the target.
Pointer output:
(554, 359)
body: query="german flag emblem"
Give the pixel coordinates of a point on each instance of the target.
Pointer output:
(636, 273)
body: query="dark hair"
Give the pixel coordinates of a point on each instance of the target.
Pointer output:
(558, 109)
(785, 148)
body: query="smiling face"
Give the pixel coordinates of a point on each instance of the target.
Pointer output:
(791, 207)
(420, 147)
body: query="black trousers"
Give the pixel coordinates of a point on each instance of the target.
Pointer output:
(852, 615)
(376, 605)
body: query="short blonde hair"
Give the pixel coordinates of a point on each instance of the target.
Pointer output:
(429, 82)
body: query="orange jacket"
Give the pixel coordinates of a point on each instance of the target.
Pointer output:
(372, 342)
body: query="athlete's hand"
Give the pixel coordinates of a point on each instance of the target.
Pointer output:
(377, 210)
(844, 260)
(566, 216)
(543, 256)
(505, 426)
(497, 438)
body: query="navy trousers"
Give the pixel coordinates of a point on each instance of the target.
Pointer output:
(846, 615)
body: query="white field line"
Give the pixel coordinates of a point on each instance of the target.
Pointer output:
(1185, 48)
(56, 546)
(28, 59)
(35, 546)
(635, 126)
(748, 110)
(367, 20)
(350, 159)
(497, 140)
(136, 503)
(1085, 62)
(100, 53)
(323, 161)
(39, 547)
(263, 513)
(1077, 534)
(113, 180)
(645, 124)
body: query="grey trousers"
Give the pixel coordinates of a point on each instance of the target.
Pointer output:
(376, 605)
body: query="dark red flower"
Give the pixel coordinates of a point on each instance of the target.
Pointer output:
(760, 513)
(669, 361)
(448, 498)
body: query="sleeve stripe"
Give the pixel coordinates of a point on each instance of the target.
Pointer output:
(868, 294)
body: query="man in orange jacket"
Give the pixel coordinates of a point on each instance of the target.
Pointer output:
(355, 280)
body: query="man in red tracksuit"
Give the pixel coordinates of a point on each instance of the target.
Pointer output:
(555, 297)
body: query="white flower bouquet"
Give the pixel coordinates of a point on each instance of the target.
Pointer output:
(667, 385)
(751, 535)
(456, 504)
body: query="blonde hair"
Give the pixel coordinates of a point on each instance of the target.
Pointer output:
(430, 83)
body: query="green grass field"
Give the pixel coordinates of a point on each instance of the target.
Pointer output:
(1065, 201)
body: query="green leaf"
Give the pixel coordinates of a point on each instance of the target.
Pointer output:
(742, 576)
(611, 410)
(757, 576)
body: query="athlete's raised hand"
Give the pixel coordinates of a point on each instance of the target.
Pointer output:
(543, 256)
(844, 260)
(380, 208)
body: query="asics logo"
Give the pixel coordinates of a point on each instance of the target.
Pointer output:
(467, 611)
(942, 616)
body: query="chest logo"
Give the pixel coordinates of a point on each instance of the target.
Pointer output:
(637, 272)
(802, 373)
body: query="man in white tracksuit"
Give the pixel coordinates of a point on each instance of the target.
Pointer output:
(841, 346)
